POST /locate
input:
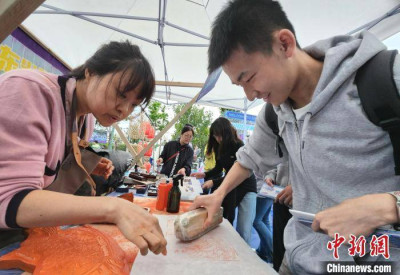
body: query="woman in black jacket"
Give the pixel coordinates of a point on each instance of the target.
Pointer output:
(224, 142)
(177, 155)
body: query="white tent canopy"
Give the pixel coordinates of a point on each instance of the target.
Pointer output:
(173, 34)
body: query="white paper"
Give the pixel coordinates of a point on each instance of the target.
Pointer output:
(270, 192)
(221, 251)
(191, 189)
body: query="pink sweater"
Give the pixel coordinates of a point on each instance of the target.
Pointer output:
(32, 129)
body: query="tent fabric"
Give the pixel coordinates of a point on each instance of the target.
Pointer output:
(173, 34)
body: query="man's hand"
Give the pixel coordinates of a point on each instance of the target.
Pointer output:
(104, 168)
(208, 184)
(210, 202)
(285, 196)
(358, 216)
(159, 161)
(182, 171)
(198, 175)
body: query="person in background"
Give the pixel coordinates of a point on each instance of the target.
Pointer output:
(42, 116)
(177, 155)
(262, 224)
(209, 164)
(223, 141)
(281, 214)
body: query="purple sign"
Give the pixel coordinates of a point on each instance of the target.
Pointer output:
(19, 50)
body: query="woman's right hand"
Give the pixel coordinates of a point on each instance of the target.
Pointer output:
(139, 227)
(159, 161)
(198, 175)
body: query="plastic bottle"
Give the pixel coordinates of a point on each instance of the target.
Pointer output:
(174, 195)
(162, 196)
(169, 187)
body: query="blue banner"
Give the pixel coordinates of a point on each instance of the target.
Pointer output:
(239, 116)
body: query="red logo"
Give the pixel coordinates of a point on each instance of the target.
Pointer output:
(335, 244)
(357, 246)
(380, 246)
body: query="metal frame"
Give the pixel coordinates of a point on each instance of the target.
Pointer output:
(161, 20)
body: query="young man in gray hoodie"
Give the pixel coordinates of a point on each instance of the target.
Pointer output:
(341, 165)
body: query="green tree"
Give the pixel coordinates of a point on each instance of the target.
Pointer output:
(200, 119)
(222, 110)
(157, 115)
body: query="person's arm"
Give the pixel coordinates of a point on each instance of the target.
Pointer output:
(164, 152)
(214, 171)
(46, 208)
(213, 202)
(358, 216)
(188, 162)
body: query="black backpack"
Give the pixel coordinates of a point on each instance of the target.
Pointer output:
(382, 108)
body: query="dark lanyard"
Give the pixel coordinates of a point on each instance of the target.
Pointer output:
(62, 82)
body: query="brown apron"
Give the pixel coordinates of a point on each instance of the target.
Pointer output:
(80, 162)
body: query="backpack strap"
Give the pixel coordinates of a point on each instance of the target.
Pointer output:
(380, 98)
(272, 121)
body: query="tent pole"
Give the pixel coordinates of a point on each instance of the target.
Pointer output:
(13, 12)
(105, 25)
(128, 145)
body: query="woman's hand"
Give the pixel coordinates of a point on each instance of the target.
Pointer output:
(358, 216)
(270, 182)
(140, 227)
(104, 168)
(182, 171)
(198, 175)
(285, 196)
(159, 161)
(208, 184)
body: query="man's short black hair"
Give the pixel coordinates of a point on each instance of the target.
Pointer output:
(248, 23)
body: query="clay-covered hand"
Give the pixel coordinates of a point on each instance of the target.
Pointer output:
(357, 216)
(140, 227)
(208, 184)
(104, 168)
(210, 202)
(198, 175)
(285, 196)
(182, 171)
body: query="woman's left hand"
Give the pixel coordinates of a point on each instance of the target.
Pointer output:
(104, 168)
(198, 175)
(208, 184)
(182, 171)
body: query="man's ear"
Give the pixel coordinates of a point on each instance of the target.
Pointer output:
(87, 73)
(287, 42)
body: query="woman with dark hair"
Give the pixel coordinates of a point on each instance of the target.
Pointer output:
(224, 142)
(177, 155)
(46, 122)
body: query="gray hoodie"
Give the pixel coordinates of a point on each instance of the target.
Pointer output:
(336, 153)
